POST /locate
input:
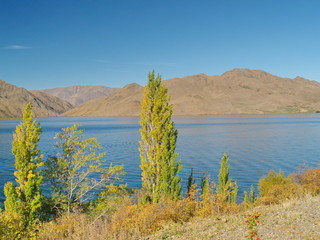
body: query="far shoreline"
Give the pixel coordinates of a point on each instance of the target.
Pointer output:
(225, 115)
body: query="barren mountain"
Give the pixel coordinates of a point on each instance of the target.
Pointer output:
(77, 95)
(234, 92)
(13, 100)
(123, 102)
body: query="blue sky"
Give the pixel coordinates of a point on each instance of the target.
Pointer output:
(55, 43)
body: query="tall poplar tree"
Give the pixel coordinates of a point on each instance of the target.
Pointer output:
(227, 188)
(160, 168)
(26, 198)
(223, 177)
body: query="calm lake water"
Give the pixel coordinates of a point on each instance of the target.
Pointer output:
(255, 144)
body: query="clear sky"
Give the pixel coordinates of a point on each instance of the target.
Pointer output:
(56, 43)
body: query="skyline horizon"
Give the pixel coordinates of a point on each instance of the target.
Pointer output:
(29, 89)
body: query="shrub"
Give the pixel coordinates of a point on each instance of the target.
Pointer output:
(68, 226)
(110, 200)
(276, 187)
(12, 227)
(310, 180)
(141, 220)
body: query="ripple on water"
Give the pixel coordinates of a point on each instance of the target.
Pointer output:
(255, 144)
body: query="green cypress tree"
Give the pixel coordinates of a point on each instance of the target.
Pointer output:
(252, 195)
(249, 197)
(26, 198)
(159, 163)
(246, 197)
(191, 183)
(227, 188)
(223, 178)
(205, 187)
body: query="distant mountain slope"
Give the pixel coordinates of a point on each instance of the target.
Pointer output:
(123, 102)
(76, 95)
(243, 91)
(13, 100)
(236, 91)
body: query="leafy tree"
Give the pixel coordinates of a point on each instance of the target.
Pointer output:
(26, 198)
(159, 166)
(226, 188)
(77, 171)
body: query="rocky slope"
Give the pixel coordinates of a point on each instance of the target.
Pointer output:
(237, 91)
(13, 100)
(77, 95)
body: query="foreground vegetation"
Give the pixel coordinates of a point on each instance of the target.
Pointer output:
(118, 216)
(87, 203)
(293, 219)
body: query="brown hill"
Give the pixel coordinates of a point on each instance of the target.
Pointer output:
(123, 102)
(236, 91)
(13, 100)
(77, 95)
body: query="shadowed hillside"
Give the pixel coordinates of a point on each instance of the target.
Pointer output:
(123, 102)
(239, 91)
(77, 95)
(14, 99)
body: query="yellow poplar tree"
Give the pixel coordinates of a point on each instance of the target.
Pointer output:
(159, 165)
(26, 197)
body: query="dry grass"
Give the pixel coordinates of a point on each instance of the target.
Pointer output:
(133, 221)
(294, 219)
(193, 217)
(211, 218)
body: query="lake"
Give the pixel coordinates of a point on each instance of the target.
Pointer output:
(255, 144)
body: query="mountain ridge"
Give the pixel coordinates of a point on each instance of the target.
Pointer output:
(13, 100)
(238, 91)
(78, 94)
(123, 102)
